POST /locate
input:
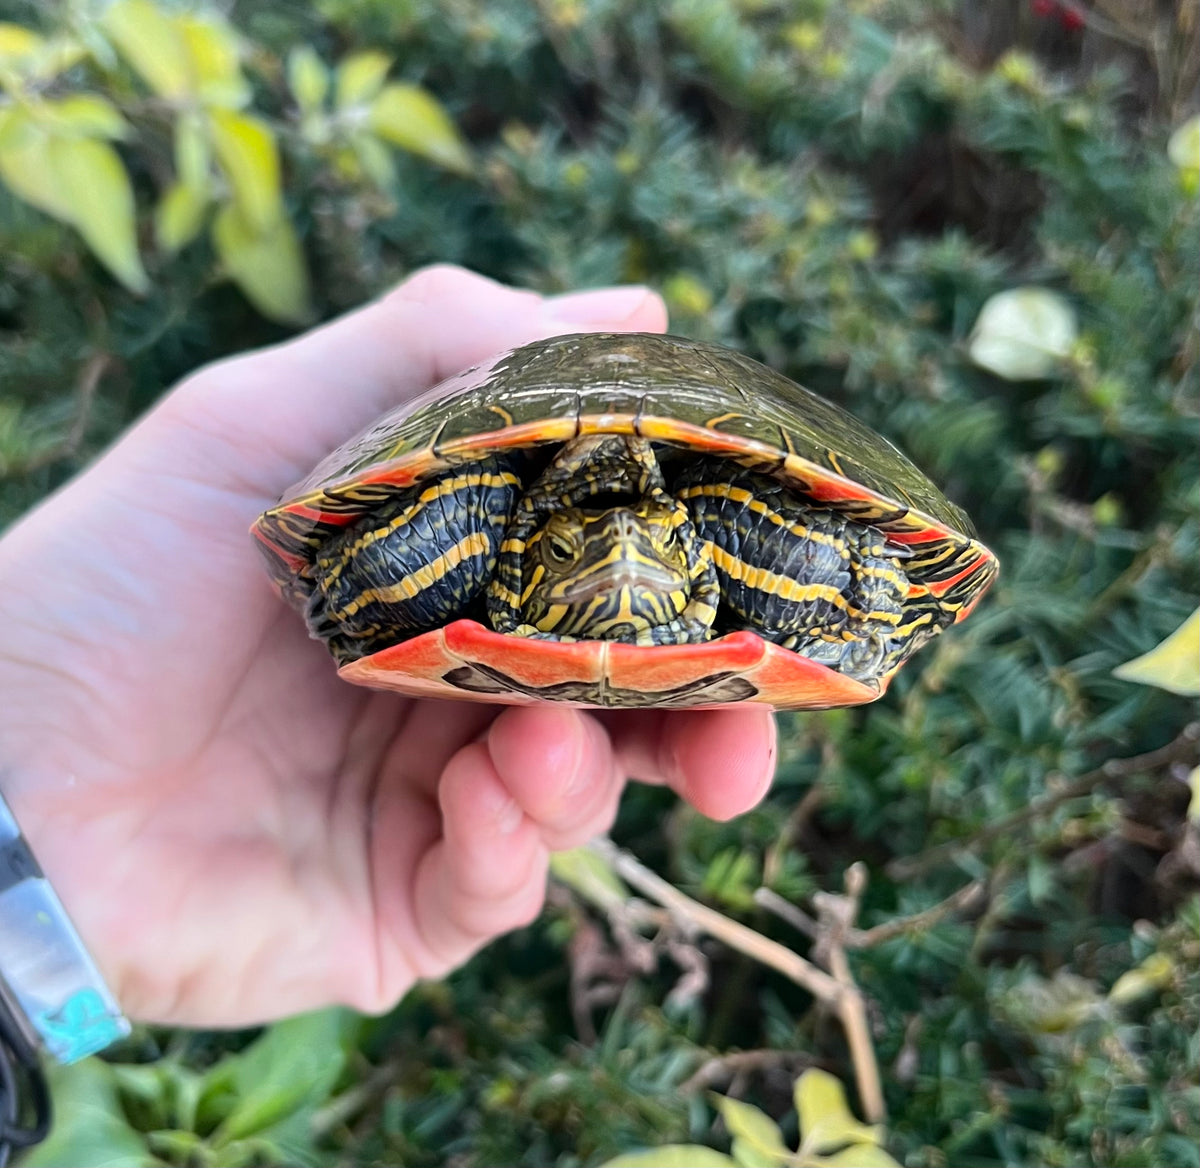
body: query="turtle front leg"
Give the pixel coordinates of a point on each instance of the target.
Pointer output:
(804, 577)
(414, 563)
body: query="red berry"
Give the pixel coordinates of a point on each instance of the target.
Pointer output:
(1071, 18)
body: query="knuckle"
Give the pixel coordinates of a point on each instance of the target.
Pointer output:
(437, 282)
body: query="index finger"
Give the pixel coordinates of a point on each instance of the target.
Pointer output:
(303, 398)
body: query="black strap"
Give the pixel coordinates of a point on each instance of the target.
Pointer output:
(25, 1110)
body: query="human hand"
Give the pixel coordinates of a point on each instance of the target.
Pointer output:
(238, 834)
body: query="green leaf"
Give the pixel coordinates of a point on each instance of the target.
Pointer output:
(286, 1073)
(86, 115)
(755, 1131)
(179, 215)
(826, 1122)
(359, 78)
(1023, 334)
(267, 266)
(590, 875)
(249, 158)
(409, 117)
(151, 41)
(90, 1129)
(308, 79)
(672, 1156)
(1173, 665)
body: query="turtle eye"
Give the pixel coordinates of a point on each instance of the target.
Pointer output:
(560, 551)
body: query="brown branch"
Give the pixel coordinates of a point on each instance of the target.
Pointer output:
(855, 938)
(787, 912)
(852, 1005)
(741, 1062)
(839, 993)
(957, 901)
(1184, 748)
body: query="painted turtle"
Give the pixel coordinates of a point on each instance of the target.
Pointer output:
(623, 520)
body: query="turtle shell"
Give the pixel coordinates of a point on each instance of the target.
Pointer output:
(697, 397)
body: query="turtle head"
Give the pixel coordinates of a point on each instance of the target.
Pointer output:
(607, 574)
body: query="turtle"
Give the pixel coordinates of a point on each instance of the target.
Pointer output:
(623, 520)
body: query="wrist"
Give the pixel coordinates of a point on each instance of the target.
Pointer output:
(52, 910)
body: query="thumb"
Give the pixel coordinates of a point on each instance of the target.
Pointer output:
(305, 397)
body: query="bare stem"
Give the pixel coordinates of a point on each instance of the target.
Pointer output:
(839, 993)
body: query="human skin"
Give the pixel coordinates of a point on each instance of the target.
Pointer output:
(238, 834)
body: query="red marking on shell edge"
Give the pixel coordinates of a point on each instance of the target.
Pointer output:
(782, 679)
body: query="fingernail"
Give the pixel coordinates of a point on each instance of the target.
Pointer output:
(598, 307)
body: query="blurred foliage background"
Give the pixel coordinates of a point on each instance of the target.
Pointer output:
(838, 189)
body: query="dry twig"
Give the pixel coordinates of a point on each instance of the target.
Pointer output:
(838, 992)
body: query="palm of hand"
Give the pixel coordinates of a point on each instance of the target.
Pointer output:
(238, 833)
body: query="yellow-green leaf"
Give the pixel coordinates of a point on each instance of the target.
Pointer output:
(376, 160)
(152, 42)
(82, 182)
(826, 1122)
(214, 55)
(1154, 974)
(672, 1156)
(192, 155)
(1173, 665)
(753, 1131)
(97, 188)
(17, 42)
(591, 876)
(27, 168)
(409, 117)
(856, 1156)
(1193, 810)
(308, 79)
(748, 1155)
(267, 266)
(33, 57)
(359, 78)
(1183, 148)
(249, 158)
(180, 215)
(87, 115)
